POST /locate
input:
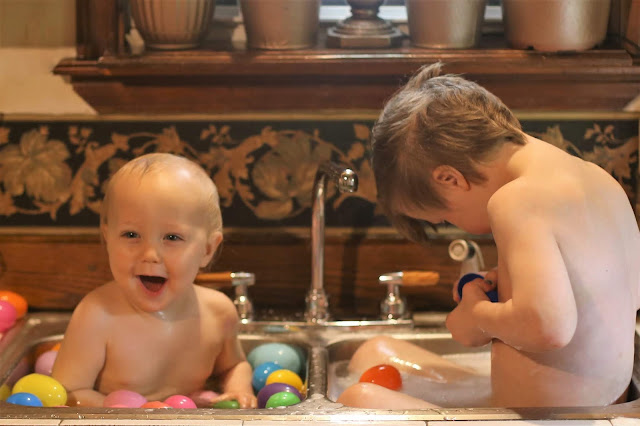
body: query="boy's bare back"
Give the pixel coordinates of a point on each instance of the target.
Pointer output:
(151, 355)
(566, 233)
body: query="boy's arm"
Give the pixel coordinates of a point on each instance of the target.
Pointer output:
(541, 313)
(231, 367)
(82, 354)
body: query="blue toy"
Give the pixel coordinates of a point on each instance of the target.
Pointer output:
(491, 294)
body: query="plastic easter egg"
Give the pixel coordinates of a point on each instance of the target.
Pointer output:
(261, 373)
(24, 398)
(124, 398)
(180, 401)
(280, 353)
(383, 375)
(273, 388)
(155, 404)
(46, 388)
(8, 315)
(282, 399)
(44, 363)
(203, 398)
(5, 391)
(232, 404)
(18, 302)
(288, 377)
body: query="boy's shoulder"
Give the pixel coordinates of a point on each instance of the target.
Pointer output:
(215, 299)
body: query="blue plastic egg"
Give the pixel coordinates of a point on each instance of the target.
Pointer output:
(282, 354)
(24, 398)
(261, 372)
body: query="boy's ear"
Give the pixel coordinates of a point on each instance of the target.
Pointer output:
(450, 177)
(213, 242)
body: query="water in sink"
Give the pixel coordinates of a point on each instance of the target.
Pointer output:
(472, 392)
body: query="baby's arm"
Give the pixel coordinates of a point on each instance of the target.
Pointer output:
(82, 354)
(541, 313)
(231, 366)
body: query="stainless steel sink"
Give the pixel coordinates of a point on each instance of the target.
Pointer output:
(326, 346)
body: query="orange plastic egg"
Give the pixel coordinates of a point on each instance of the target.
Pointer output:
(155, 404)
(383, 375)
(18, 302)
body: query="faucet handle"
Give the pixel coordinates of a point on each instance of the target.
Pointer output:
(240, 281)
(394, 306)
(410, 278)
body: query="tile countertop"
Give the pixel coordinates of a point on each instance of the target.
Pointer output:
(44, 422)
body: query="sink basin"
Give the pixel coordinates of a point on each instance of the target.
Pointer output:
(328, 347)
(472, 392)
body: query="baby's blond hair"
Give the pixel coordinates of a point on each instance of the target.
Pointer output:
(434, 120)
(169, 163)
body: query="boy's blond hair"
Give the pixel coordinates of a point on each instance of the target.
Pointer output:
(434, 120)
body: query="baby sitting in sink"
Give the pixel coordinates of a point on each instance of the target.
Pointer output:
(151, 330)
(562, 332)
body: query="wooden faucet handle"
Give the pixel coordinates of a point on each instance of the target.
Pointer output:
(225, 279)
(214, 279)
(419, 278)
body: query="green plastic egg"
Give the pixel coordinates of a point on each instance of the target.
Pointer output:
(227, 404)
(282, 399)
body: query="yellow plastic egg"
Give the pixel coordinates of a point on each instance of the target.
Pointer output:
(46, 388)
(288, 377)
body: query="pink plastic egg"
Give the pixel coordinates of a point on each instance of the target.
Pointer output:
(44, 363)
(124, 398)
(8, 315)
(180, 401)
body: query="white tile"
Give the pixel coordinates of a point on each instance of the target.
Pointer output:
(129, 422)
(624, 421)
(527, 423)
(34, 422)
(343, 421)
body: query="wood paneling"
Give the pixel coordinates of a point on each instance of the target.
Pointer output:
(55, 271)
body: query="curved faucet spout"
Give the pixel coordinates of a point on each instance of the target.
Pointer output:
(345, 180)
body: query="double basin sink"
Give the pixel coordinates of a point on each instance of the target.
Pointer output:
(328, 347)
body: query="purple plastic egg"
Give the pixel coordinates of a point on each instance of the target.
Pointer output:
(125, 398)
(44, 363)
(8, 315)
(273, 388)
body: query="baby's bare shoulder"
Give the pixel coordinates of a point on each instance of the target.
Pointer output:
(215, 301)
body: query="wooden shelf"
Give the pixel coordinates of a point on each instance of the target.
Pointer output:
(218, 78)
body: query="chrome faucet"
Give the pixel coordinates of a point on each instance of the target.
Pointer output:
(346, 180)
(469, 253)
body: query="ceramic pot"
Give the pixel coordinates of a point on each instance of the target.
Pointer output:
(445, 24)
(555, 25)
(172, 24)
(280, 24)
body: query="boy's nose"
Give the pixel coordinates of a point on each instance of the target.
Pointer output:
(151, 253)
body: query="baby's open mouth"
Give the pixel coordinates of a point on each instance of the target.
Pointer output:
(152, 283)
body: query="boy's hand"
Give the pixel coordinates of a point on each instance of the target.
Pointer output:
(245, 399)
(490, 283)
(460, 321)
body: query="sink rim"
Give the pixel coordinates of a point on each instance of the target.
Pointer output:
(317, 406)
